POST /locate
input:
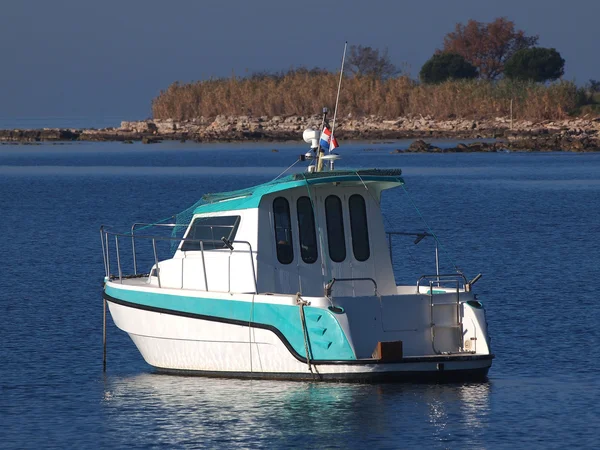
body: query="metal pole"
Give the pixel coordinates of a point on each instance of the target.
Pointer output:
(118, 259)
(133, 249)
(156, 262)
(203, 265)
(458, 321)
(511, 113)
(104, 335)
(253, 271)
(319, 150)
(103, 250)
(437, 262)
(107, 257)
(338, 94)
(336, 103)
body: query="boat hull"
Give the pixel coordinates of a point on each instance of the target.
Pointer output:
(186, 345)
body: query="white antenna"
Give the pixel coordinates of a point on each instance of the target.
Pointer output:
(337, 98)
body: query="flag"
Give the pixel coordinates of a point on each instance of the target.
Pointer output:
(326, 142)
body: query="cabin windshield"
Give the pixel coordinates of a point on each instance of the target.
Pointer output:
(210, 230)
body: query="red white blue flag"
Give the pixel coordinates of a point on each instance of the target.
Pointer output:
(326, 142)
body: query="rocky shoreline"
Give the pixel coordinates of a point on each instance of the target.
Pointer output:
(578, 135)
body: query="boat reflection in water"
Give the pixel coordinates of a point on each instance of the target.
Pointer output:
(206, 411)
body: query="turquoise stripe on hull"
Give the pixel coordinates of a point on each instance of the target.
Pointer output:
(328, 341)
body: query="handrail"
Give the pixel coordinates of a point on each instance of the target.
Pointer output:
(171, 225)
(329, 286)
(455, 278)
(438, 277)
(161, 238)
(107, 256)
(103, 250)
(251, 259)
(203, 265)
(118, 259)
(105, 233)
(416, 233)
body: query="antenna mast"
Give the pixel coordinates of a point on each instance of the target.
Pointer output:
(320, 152)
(337, 101)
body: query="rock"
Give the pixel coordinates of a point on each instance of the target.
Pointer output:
(150, 140)
(571, 134)
(420, 146)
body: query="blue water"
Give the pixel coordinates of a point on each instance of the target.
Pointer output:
(529, 222)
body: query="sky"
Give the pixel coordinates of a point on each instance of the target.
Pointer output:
(108, 59)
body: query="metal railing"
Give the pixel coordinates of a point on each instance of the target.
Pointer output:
(441, 278)
(454, 279)
(133, 227)
(106, 235)
(329, 286)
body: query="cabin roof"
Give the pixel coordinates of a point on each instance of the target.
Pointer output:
(250, 197)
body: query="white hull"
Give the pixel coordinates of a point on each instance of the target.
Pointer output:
(175, 343)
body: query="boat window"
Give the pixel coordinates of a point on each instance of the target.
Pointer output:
(335, 228)
(283, 230)
(306, 228)
(358, 227)
(210, 230)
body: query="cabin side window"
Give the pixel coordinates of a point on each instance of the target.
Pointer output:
(283, 230)
(358, 227)
(306, 228)
(335, 228)
(210, 230)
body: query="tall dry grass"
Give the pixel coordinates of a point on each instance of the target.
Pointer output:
(303, 92)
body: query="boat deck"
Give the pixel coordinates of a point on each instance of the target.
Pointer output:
(137, 280)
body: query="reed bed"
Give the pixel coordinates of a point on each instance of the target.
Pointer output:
(302, 92)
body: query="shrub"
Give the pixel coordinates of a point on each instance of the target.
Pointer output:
(445, 66)
(305, 92)
(535, 64)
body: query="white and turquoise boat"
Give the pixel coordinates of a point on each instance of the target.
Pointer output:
(293, 279)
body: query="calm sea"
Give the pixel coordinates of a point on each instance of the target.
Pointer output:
(529, 222)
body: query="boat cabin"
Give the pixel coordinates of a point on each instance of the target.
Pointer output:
(293, 235)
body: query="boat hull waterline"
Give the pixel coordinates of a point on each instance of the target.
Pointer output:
(183, 343)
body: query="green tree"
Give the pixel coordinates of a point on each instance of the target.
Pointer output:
(535, 64)
(366, 61)
(445, 66)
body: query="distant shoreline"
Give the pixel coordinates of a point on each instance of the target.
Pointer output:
(578, 135)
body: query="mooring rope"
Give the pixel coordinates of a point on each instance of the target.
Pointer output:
(250, 333)
(302, 303)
